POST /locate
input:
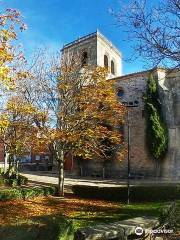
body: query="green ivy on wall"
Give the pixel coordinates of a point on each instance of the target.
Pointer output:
(156, 133)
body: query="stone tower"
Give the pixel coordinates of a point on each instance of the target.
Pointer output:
(96, 50)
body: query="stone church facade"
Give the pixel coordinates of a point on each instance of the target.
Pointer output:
(98, 51)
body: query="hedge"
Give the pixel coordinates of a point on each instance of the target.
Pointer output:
(12, 178)
(137, 193)
(25, 193)
(1, 181)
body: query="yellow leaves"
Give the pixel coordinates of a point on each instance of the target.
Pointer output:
(24, 127)
(17, 105)
(8, 19)
(4, 72)
(5, 55)
(4, 123)
(63, 86)
(6, 35)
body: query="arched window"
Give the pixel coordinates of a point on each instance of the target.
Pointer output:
(112, 67)
(105, 61)
(84, 58)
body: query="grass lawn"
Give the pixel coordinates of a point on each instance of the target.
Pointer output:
(52, 218)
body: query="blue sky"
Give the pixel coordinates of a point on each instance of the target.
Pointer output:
(52, 23)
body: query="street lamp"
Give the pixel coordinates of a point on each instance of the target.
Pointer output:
(120, 94)
(129, 152)
(129, 157)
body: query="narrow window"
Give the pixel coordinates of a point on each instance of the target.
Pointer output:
(112, 67)
(105, 61)
(84, 58)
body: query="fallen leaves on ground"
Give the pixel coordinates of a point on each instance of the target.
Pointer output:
(19, 210)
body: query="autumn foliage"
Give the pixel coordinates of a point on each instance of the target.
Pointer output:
(10, 19)
(56, 104)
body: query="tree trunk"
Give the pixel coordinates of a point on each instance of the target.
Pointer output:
(61, 175)
(158, 170)
(103, 172)
(10, 160)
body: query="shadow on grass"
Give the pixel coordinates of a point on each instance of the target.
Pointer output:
(81, 214)
(124, 212)
(38, 228)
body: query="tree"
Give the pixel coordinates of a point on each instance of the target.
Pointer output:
(16, 114)
(156, 131)
(84, 104)
(154, 30)
(9, 19)
(18, 129)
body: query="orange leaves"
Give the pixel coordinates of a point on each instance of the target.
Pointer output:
(99, 74)
(89, 111)
(12, 211)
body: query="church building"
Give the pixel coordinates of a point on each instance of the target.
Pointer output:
(97, 50)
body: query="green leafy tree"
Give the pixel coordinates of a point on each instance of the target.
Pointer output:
(157, 134)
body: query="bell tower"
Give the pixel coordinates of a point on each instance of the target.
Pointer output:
(96, 50)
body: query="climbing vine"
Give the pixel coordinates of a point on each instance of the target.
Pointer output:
(157, 134)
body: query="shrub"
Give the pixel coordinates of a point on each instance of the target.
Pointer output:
(25, 193)
(9, 194)
(66, 230)
(13, 182)
(32, 192)
(37, 191)
(1, 181)
(50, 191)
(22, 180)
(12, 178)
(1, 170)
(171, 216)
(137, 193)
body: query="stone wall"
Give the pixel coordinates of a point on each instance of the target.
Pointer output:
(169, 88)
(88, 45)
(134, 88)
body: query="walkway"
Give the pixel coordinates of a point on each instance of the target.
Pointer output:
(52, 178)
